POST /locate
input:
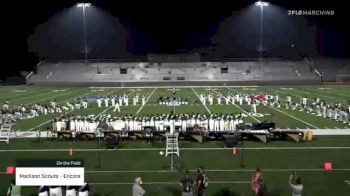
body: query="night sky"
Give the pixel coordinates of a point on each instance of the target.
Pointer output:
(162, 27)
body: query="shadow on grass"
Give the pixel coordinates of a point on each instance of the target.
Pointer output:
(226, 192)
(275, 192)
(172, 190)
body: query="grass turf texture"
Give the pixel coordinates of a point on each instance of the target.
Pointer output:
(132, 160)
(283, 118)
(316, 181)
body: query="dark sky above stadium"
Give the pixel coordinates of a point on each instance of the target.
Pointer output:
(170, 27)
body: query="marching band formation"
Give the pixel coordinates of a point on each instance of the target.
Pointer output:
(319, 107)
(117, 101)
(164, 122)
(316, 106)
(171, 101)
(231, 99)
(21, 112)
(213, 122)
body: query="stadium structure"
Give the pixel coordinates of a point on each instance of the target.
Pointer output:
(165, 70)
(157, 116)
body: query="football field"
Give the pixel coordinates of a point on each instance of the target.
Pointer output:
(111, 172)
(284, 118)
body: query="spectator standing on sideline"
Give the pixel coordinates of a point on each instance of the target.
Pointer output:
(186, 185)
(201, 182)
(262, 188)
(137, 190)
(297, 188)
(256, 181)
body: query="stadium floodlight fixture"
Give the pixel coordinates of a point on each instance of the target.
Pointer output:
(262, 3)
(83, 4)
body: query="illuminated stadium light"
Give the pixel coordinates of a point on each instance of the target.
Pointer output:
(83, 4)
(261, 3)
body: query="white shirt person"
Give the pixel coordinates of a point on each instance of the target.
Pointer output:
(297, 188)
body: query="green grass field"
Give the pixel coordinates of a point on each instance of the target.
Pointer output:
(284, 118)
(117, 169)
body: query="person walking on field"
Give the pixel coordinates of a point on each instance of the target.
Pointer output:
(137, 190)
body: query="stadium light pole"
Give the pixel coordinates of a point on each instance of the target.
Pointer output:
(83, 6)
(261, 4)
(172, 155)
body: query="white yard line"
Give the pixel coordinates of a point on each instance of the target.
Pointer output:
(73, 110)
(104, 111)
(21, 95)
(67, 112)
(295, 117)
(322, 91)
(298, 119)
(293, 95)
(257, 120)
(138, 111)
(159, 183)
(185, 149)
(27, 97)
(321, 95)
(31, 129)
(145, 87)
(200, 100)
(53, 97)
(218, 170)
(76, 97)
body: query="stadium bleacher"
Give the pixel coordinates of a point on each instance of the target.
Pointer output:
(247, 71)
(331, 67)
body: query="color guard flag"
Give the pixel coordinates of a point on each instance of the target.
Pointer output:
(327, 166)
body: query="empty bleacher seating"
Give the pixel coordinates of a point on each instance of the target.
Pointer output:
(95, 72)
